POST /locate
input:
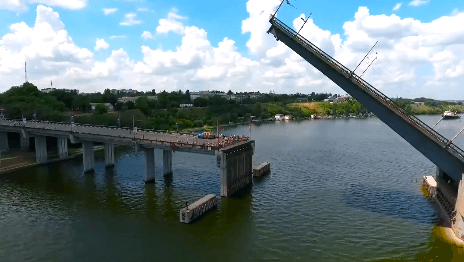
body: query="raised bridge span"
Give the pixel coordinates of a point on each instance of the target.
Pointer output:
(447, 156)
(234, 153)
(442, 152)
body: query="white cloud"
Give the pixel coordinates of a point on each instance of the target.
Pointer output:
(101, 44)
(14, 5)
(172, 23)
(143, 9)
(418, 2)
(147, 35)
(397, 6)
(130, 19)
(108, 11)
(69, 4)
(117, 36)
(413, 58)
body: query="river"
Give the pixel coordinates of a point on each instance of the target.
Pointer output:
(339, 190)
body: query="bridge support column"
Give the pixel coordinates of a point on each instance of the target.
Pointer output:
(40, 149)
(167, 162)
(149, 165)
(109, 154)
(4, 141)
(62, 144)
(24, 142)
(88, 156)
(457, 218)
(235, 165)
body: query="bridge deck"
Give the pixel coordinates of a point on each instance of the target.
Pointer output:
(175, 141)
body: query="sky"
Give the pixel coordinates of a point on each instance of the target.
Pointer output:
(190, 45)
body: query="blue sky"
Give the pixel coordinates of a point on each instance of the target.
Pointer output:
(219, 18)
(85, 21)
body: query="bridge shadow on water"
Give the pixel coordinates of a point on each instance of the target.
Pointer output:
(391, 203)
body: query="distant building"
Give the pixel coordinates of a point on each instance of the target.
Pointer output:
(114, 91)
(185, 105)
(108, 105)
(134, 98)
(342, 98)
(50, 89)
(419, 103)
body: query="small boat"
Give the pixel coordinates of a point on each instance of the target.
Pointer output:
(450, 115)
(279, 117)
(288, 117)
(314, 116)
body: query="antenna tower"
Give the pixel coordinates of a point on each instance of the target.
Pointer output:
(25, 71)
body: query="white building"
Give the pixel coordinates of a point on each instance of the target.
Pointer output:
(108, 105)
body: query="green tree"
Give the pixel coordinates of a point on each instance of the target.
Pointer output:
(101, 109)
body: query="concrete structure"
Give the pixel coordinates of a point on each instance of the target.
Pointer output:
(457, 217)
(108, 106)
(235, 151)
(167, 162)
(149, 165)
(4, 141)
(41, 149)
(236, 164)
(198, 208)
(24, 142)
(88, 156)
(262, 169)
(109, 154)
(62, 144)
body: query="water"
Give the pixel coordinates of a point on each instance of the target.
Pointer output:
(339, 190)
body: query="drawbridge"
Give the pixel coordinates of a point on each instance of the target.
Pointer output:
(448, 157)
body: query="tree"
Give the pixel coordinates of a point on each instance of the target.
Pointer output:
(200, 102)
(230, 93)
(101, 109)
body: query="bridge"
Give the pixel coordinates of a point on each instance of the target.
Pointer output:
(448, 157)
(234, 153)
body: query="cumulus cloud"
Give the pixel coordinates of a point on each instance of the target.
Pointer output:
(171, 23)
(130, 19)
(108, 11)
(418, 2)
(14, 5)
(101, 44)
(147, 35)
(397, 6)
(68, 4)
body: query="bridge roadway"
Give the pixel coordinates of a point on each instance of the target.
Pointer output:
(175, 141)
(234, 153)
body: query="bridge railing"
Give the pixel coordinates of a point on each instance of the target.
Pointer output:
(367, 87)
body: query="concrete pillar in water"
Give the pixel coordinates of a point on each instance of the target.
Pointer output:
(40, 149)
(24, 142)
(149, 165)
(457, 217)
(4, 141)
(235, 165)
(62, 144)
(88, 156)
(167, 162)
(109, 154)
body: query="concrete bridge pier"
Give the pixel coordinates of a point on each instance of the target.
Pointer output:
(62, 144)
(235, 163)
(41, 149)
(457, 218)
(109, 154)
(88, 156)
(4, 141)
(24, 142)
(149, 165)
(167, 162)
